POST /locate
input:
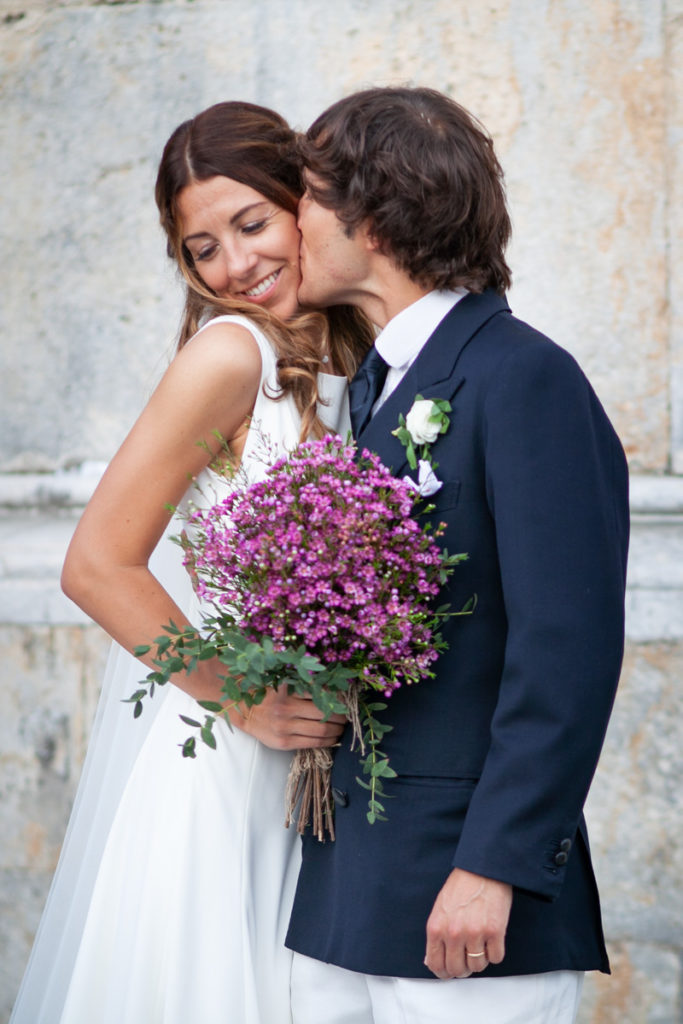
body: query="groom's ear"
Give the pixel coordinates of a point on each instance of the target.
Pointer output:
(363, 234)
(371, 241)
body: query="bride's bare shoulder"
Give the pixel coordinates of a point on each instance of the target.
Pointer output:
(211, 384)
(223, 345)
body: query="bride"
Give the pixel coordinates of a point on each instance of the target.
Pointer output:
(172, 894)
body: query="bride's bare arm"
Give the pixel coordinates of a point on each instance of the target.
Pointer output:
(211, 385)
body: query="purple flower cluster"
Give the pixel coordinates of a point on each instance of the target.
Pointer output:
(325, 552)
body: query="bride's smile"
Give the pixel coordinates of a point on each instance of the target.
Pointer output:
(263, 287)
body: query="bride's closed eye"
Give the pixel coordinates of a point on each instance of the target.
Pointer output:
(206, 252)
(254, 226)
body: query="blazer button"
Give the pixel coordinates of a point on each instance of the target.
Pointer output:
(340, 798)
(566, 845)
(561, 858)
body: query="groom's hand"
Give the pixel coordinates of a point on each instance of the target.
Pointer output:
(287, 722)
(470, 915)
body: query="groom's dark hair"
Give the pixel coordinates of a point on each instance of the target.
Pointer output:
(422, 173)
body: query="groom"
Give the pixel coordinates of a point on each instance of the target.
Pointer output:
(475, 902)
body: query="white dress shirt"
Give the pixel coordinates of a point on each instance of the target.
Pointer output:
(404, 337)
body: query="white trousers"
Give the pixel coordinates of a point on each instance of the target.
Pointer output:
(325, 994)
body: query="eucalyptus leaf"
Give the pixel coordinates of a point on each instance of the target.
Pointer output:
(188, 747)
(211, 705)
(135, 697)
(208, 736)
(190, 721)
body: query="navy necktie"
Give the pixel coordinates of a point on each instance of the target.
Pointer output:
(365, 389)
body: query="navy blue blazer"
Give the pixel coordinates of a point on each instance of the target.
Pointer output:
(496, 754)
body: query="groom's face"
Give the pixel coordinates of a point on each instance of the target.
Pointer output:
(334, 264)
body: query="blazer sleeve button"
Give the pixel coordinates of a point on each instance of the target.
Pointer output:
(566, 845)
(561, 858)
(340, 798)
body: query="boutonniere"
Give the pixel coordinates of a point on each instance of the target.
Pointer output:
(428, 419)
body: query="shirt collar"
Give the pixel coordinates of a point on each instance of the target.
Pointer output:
(407, 332)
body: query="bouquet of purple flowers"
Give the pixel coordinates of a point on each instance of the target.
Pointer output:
(321, 578)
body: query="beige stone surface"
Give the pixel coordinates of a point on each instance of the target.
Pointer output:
(635, 817)
(635, 809)
(644, 988)
(581, 99)
(587, 182)
(56, 673)
(47, 715)
(674, 172)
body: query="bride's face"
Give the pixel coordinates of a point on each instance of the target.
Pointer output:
(243, 245)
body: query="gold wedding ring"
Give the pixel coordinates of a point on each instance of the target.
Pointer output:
(483, 953)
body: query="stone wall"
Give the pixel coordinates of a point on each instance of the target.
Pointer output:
(584, 102)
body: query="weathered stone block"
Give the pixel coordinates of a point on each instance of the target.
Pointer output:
(644, 988)
(22, 897)
(49, 703)
(635, 808)
(49, 708)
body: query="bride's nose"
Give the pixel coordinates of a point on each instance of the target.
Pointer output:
(240, 261)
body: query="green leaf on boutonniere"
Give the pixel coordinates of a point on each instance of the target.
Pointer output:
(403, 435)
(440, 412)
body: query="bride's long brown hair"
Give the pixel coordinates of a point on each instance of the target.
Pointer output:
(255, 146)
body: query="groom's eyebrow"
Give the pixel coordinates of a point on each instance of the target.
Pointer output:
(233, 220)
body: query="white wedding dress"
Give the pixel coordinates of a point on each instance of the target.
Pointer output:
(172, 895)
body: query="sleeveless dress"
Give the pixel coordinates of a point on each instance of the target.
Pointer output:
(172, 895)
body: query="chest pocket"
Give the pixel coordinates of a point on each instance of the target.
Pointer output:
(447, 496)
(444, 503)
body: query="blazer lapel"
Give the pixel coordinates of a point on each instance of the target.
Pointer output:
(437, 360)
(432, 375)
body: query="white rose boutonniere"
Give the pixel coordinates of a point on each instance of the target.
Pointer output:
(419, 423)
(427, 419)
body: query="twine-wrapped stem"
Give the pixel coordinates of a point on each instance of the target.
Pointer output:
(309, 781)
